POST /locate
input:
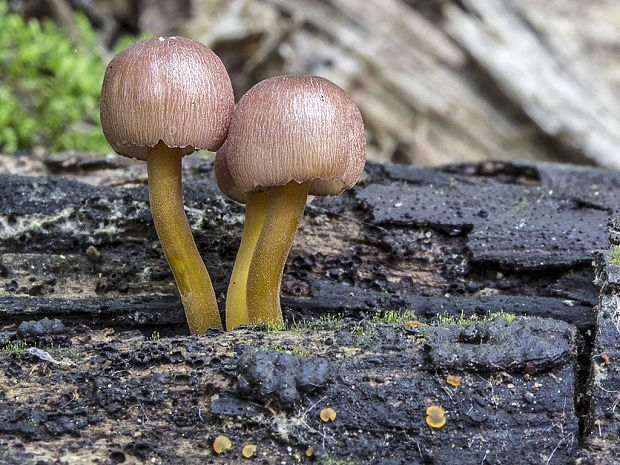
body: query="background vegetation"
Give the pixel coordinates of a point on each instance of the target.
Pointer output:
(49, 85)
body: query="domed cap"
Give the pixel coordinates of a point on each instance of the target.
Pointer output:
(222, 176)
(171, 89)
(296, 128)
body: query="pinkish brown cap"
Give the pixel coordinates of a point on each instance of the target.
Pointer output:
(296, 128)
(223, 178)
(171, 89)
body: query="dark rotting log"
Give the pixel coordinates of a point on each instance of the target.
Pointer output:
(459, 244)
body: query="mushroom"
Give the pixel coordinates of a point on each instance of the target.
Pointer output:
(248, 450)
(435, 416)
(328, 414)
(163, 99)
(255, 207)
(221, 443)
(290, 136)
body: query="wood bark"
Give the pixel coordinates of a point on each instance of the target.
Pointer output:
(110, 374)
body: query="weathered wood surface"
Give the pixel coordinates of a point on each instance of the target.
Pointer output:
(603, 420)
(464, 239)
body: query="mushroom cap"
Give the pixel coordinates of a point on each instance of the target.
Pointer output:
(223, 178)
(296, 128)
(171, 89)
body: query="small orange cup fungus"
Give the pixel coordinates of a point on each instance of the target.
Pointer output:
(453, 380)
(221, 444)
(328, 414)
(435, 416)
(248, 450)
(413, 323)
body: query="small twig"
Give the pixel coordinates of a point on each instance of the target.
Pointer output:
(557, 446)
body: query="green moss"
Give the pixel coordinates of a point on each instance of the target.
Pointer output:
(16, 347)
(293, 351)
(394, 317)
(614, 255)
(49, 85)
(271, 326)
(19, 348)
(362, 333)
(447, 319)
(325, 322)
(64, 352)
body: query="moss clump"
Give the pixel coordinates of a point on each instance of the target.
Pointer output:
(293, 351)
(49, 85)
(447, 319)
(325, 322)
(394, 317)
(16, 347)
(272, 326)
(614, 255)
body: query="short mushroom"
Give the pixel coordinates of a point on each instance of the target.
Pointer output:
(255, 207)
(328, 414)
(248, 450)
(221, 443)
(163, 99)
(290, 136)
(435, 416)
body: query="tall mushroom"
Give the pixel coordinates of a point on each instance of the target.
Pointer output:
(290, 136)
(255, 207)
(163, 99)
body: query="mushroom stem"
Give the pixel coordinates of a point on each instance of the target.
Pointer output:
(236, 303)
(190, 273)
(285, 209)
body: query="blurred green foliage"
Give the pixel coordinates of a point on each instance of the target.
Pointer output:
(49, 85)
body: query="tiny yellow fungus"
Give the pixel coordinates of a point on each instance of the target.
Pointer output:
(328, 414)
(453, 380)
(413, 323)
(248, 450)
(309, 451)
(221, 444)
(435, 416)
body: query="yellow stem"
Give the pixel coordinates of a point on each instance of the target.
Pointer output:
(236, 304)
(190, 274)
(285, 209)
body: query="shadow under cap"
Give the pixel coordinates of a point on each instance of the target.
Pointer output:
(223, 179)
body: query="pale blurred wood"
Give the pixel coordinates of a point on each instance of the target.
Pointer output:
(495, 82)
(563, 96)
(437, 81)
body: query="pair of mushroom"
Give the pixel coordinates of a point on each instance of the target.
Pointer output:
(289, 137)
